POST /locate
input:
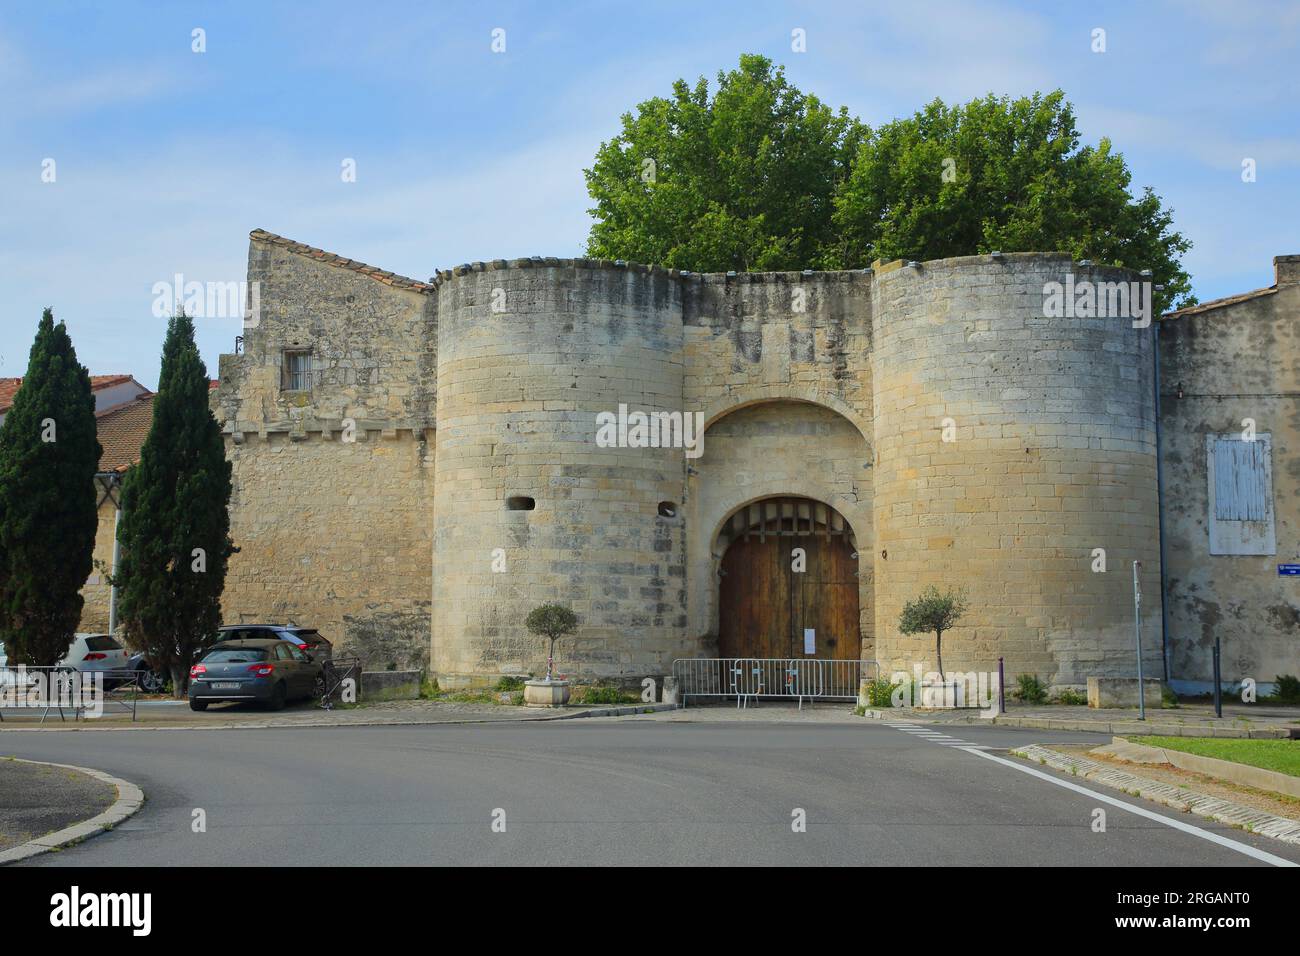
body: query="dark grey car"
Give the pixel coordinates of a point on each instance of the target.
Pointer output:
(269, 672)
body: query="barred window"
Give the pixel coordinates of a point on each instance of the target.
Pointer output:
(296, 370)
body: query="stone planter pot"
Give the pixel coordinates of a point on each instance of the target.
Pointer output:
(543, 693)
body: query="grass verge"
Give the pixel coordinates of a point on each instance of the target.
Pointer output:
(1282, 756)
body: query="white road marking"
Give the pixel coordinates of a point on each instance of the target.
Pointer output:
(1242, 848)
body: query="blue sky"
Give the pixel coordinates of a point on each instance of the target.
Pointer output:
(165, 158)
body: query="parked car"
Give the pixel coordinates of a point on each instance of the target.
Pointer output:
(269, 672)
(147, 679)
(307, 638)
(94, 652)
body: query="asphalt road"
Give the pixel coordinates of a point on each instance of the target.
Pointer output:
(636, 791)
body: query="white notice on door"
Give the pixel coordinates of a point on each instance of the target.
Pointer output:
(809, 640)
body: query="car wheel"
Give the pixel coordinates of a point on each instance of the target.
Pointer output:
(151, 682)
(198, 705)
(278, 696)
(318, 687)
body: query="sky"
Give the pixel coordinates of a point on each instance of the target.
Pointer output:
(165, 158)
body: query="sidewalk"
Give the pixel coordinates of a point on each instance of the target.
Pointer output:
(169, 715)
(1186, 720)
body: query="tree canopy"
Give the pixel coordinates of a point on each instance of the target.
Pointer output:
(759, 176)
(175, 522)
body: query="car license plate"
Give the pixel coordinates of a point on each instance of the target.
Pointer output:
(225, 685)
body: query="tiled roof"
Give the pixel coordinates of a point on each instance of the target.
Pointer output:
(9, 387)
(1220, 303)
(122, 430)
(331, 259)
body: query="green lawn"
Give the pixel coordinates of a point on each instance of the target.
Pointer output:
(1280, 755)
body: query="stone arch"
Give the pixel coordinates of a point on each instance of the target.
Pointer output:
(743, 396)
(854, 512)
(746, 465)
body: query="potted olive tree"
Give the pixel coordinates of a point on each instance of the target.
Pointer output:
(934, 611)
(552, 621)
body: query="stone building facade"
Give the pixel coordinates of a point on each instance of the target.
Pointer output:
(418, 464)
(1230, 371)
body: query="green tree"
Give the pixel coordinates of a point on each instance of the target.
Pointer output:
(551, 621)
(175, 527)
(933, 611)
(1008, 175)
(48, 514)
(741, 180)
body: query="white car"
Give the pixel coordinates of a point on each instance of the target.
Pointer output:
(95, 652)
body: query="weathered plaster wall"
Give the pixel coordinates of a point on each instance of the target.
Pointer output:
(1220, 366)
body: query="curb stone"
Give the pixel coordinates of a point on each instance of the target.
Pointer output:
(316, 724)
(1113, 727)
(1178, 798)
(130, 799)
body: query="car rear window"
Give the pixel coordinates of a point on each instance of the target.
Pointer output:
(235, 655)
(102, 642)
(308, 637)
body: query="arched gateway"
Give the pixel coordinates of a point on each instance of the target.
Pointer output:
(789, 582)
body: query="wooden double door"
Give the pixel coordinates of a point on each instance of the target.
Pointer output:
(766, 606)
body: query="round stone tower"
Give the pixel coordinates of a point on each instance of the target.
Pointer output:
(1016, 457)
(529, 505)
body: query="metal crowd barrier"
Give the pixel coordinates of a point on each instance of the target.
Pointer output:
(62, 688)
(334, 675)
(751, 678)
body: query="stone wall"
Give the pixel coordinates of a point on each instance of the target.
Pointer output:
(338, 536)
(832, 386)
(529, 355)
(1009, 446)
(333, 484)
(96, 592)
(1221, 364)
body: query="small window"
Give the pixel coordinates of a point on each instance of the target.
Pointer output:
(520, 503)
(296, 370)
(667, 509)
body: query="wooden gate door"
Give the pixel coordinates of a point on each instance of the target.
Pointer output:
(765, 605)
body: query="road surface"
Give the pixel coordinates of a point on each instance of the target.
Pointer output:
(635, 791)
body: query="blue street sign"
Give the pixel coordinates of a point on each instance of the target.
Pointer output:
(1288, 569)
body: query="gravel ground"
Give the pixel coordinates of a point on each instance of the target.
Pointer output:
(36, 799)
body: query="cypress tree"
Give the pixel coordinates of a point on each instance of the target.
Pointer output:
(175, 527)
(48, 515)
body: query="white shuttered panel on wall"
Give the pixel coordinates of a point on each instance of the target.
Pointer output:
(1241, 494)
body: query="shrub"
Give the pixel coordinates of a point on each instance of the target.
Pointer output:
(1288, 689)
(880, 692)
(1168, 699)
(604, 694)
(510, 682)
(1029, 689)
(1071, 698)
